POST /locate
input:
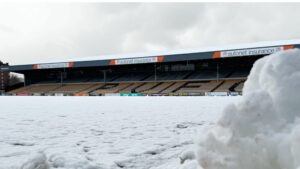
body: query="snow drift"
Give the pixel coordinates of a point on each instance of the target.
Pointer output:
(262, 130)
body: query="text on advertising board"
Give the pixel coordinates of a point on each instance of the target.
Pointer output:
(53, 65)
(153, 59)
(249, 52)
(136, 60)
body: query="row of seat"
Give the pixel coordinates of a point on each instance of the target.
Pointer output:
(200, 87)
(139, 87)
(225, 87)
(119, 77)
(240, 87)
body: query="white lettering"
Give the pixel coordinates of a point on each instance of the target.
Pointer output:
(52, 65)
(249, 52)
(136, 61)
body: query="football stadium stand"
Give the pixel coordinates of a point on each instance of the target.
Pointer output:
(200, 87)
(227, 85)
(174, 87)
(210, 71)
(131, 88)
(4, 77)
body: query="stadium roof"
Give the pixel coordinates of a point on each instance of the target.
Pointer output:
(250, 49)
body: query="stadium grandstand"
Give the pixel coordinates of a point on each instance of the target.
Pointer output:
(4, 77)
(197, 72)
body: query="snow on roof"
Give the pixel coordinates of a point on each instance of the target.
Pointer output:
(181, 51)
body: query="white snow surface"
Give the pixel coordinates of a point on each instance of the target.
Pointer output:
(104, 132)
(178, 51)
(262, 130)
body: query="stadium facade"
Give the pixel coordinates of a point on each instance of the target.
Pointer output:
(4, 77)
(210, 71)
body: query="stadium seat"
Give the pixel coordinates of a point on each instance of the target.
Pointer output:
(70, 88)
(146, 86)
(131, 88)
(91, 88)
(111, 88)
(158, 88)
(173, 87)
(240, 87)
(200, 87)
(224, 87)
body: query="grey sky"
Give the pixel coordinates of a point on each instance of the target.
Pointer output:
(42, 32)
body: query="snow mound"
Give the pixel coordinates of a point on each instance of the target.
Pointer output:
(41, 161)
(37, 161)
(186, 155)
(262, 131)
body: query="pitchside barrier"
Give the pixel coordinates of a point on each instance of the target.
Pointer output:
(223, 93)
(235, 93)
(216, 93)
(129, 94)
(160, 94)
(123, 94)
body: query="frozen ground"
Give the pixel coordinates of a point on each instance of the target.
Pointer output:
(103, 132)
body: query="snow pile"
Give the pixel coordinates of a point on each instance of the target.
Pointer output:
(37, 161)
(186, 155)
(262, 131)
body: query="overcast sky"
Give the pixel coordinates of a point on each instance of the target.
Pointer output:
(43, 32)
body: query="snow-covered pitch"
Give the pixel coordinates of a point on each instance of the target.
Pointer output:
(103, 132)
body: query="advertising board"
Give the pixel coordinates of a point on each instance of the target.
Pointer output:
(251, 52)
(130, 94)
(216, 94)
